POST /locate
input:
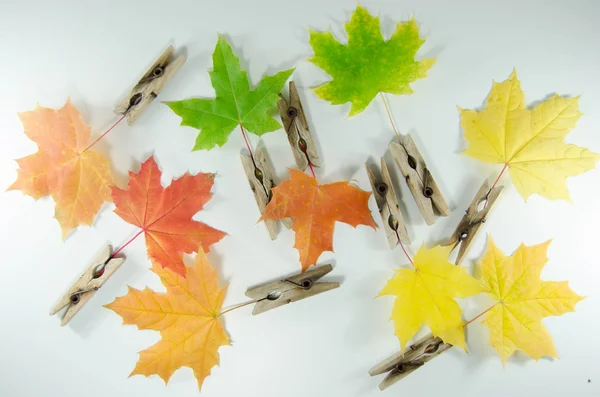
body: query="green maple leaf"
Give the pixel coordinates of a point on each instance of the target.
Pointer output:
(368, 64)
(235, 103)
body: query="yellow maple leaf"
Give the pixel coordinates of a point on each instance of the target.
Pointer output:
(523, 299)
(529, 142)
(187, 317)
(426, 294)
(78, 179)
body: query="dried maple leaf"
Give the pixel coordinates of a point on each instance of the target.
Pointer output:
(165, 214)
(426, 294)
(187, 317)
(523, 299)
(368, 64)
(78, 179)
(314, 209)
(235, 103)
(530, 142)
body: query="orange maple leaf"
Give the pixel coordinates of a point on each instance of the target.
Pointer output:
(165, 214)
(187, 317)
(78, 179)
(314, 209)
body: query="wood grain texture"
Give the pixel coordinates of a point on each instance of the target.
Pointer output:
(418, 178)
(296, 127)
(87, 282)
(387, 203)
(150, 85)
(471, 222)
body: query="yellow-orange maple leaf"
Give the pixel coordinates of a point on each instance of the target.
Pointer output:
(314, 209)
(523, 299)
(426, 294)
(187, 316)
(78, 179)
(529, 142)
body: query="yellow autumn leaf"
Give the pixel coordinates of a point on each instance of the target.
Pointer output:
(187, 316)
(425, 295)
(529, 142)
(523, 299)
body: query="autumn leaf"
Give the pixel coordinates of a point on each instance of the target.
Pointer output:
(187, 317)
(314, 209)
(235, 103)
(165, 214)
(425, 295)
(78, 179)
(368, 64)
(523, 299)
(530, 142)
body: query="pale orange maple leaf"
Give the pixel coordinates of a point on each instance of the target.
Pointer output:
(314, 209)
(187, 317)
(78, 179)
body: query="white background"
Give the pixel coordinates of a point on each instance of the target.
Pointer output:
(324, 346)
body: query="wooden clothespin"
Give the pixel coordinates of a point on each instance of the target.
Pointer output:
(100, 270)
(261, 177)
(387, 202)
(404, 363)
(150, 85)
(296, 126)
(473, 219)
(301, 286)
(420, 181)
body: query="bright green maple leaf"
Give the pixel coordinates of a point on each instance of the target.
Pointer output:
(368, 64)
(235, 103)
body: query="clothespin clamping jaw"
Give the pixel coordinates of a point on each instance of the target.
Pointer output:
(387, 202)
(100, 270)
(474, 217)
(301, 286)
(261, 178)
(150, 85)
(404, 363)
(296, 126)
(420, 181)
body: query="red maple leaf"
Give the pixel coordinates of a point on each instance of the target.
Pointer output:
(165, 214)
(314, 209)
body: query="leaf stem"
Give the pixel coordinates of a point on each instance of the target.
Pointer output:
(404, 249)
(239, 306)
(127, 243)
(387, 108)
(248, 145)
(496, 182)
(312, 170)
(106, 132)
(479, 315)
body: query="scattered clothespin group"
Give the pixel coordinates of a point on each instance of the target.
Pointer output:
(387, 202)
(150, 85)
(291, 289)
(474, 217)
(419, 179)
(98, 272)
(404, 363)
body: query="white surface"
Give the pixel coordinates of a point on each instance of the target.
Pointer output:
(323, 346)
